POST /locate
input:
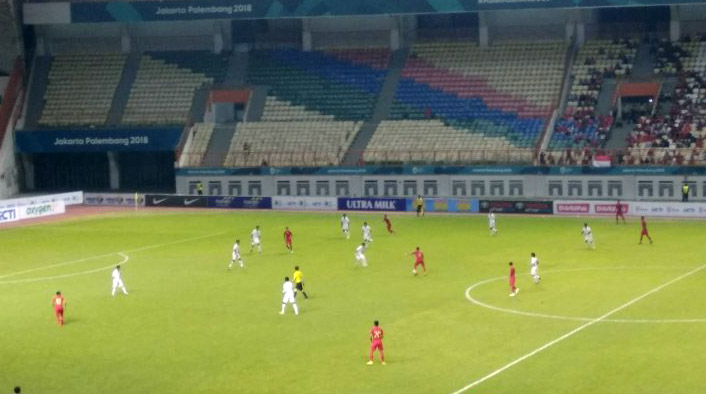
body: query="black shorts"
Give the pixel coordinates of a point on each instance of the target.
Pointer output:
(300, 286)
(419, 208)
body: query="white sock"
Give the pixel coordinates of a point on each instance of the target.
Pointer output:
(283, 306)
(124, 290)
(230, 266)
(242, 264)
(113, 291)
(296, 309)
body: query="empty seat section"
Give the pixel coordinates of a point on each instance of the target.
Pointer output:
(302, 143)
(162, 93)
(434, 142)
(340, 83)
(195, 150)
(81, 89)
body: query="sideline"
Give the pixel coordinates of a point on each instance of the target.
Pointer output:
(138, 249)
(125, 260)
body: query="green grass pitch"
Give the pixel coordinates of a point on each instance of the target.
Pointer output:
(190, 326)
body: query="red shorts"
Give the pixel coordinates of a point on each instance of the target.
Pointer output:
(288, 242)
(376, 345)
(59, 311)
(512, 282)
(644, 232)
(418, 263)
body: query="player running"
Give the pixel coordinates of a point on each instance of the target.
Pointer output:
(288, 240)
(236, 256)
(418, 260)
(419, 204)
(345, 226)
(255, 240)
(299, 282)
(59, 303)
(388, 223)
(491, 224)
(534, 268)
(118, 281)
(376, 335)
(360, 255)
(288, 296)
(513, 289)
(367, 234)
(588, 236)
(619, 212)
(644, 232)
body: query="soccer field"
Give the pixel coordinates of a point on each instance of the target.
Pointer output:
(624, 318)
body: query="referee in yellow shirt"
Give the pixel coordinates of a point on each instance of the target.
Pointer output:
(419, 203)
(299, 281)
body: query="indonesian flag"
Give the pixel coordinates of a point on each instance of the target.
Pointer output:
(601, 161)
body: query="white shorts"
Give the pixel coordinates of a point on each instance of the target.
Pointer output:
(344, 228)
(360, 257)
(118, 283)
(257, 242)
(367, 239)
(588, 239)
(534, 271)
(236, 256)
(289, 299)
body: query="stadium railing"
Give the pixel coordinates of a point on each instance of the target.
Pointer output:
(630, 157)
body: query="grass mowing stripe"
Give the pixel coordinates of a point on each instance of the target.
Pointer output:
(141, 248)
(575, 331)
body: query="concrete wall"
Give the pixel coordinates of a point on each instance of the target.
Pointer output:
(657, 188)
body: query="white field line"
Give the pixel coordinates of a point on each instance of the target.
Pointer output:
(574, 331)
(153, 246)
(125, 260)
(573, 318)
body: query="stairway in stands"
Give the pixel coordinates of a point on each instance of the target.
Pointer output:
(219, 145)
(37, 89)
(382, 108)
(122, 92)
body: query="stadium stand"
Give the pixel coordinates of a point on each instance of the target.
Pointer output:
(496, 97)
(312, 143)
(432, 141)
(676, 137)
(341, 83)
(81, 89)
(164, 88)
(195, 149)
(581, 126)
(282, 110)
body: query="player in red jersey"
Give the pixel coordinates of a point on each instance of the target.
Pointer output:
(619, 212)
(388, 223)
(59, 303)
(288, 239)
(644, 232)
(376, 335)
(418, 260)
(513, 289)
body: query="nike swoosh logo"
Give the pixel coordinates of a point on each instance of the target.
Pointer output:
(157, 201)
(189, 202)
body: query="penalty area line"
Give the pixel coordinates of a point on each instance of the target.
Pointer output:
(125, 260)
(575, 331)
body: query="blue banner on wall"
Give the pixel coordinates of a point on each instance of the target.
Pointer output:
(372, 204)
(443, 170)
(240, 202)
(98, 140)
(137, 11)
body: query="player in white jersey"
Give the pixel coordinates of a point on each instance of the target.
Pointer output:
(288, 296)
(588, 236)
(118, 281)
(360, 256)
(534, 268)
(236, 256)
(255, 240)
(367, 233)
(345, 226)
(491, 223)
